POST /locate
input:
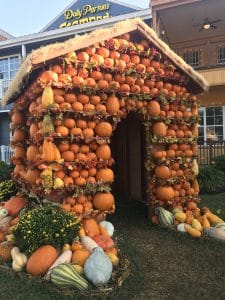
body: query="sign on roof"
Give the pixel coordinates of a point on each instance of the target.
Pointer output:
(85, 11)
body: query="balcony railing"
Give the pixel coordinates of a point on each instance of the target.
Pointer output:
(209, 150)
(6, 152)
(209, 54)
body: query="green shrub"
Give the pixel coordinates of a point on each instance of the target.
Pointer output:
(8, 188)
(211, 179)
(5, 171)
(46, 225)
(219, 162)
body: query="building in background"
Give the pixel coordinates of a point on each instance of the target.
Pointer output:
(79, 17)
(195, 29)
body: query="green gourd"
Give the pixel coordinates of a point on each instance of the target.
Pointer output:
(67, 275)
(166, 218)
(47, 125)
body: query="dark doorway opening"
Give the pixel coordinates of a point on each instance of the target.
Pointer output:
(128, 147)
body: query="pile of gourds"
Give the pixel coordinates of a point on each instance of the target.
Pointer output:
(192, 220)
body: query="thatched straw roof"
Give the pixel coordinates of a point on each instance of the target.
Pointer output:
(40, 56)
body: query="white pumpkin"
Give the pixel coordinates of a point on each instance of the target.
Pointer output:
(181, 227)
(88, 243)
(108, 227)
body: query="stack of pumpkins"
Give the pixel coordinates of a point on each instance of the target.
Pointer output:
(63, 122)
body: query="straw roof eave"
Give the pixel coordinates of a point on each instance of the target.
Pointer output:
(39, 57)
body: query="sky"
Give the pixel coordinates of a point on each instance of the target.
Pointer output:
(20, 17)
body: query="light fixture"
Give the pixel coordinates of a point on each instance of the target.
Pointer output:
(163, 32)
(206, 26)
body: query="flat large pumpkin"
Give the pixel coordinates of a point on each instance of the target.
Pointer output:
(41, 260)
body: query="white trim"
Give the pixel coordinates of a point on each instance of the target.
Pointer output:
(11, 55)
(224, 123)
(73, 30)
(4, 110)
(73, 2)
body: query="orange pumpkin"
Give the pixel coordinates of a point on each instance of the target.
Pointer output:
(165, 193)
(103, 152)
(159, 129)
(112, 105)
(153, 108)
(162, 172)
(103, 129)
(41, 260)
(105, 175)
(103, 201)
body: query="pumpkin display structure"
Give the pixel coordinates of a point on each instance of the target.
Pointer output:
(68, 99)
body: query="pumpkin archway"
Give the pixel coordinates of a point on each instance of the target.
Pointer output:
(74, 99)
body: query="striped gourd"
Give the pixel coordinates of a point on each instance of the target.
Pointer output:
(166, 218)
(67, 275)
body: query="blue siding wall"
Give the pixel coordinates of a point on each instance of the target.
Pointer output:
(82, 6)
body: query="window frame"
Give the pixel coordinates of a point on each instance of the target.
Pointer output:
(217, 55)
(203, 109)
(191, 52)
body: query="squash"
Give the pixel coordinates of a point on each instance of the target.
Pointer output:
(192, 231)
(67, 275)
(19, 259)
(47, 179)
(189, 217)
(65, 257)
(41, 260)
(216, 233)
(166, 218)
(103, 201)
(90, 227)
(205, 222)
(114, 258)
(57, 155)
(108, 227)
(98, 267)
(47, 125)
(47, 97)
(88, 243)
(195, 168)
(4, 224)
(80, 256)
(196, 224)
(220, 225)
(79, 269)
(181, 217)
(181, 227)
(14, 205)
(48, 153)
(213, 219)
(105, 242)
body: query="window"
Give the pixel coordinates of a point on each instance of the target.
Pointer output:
(221, 55)
(192, 58)
(8, 68)
(211, 124)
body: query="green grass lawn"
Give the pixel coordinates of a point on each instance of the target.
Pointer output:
(164, 264)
